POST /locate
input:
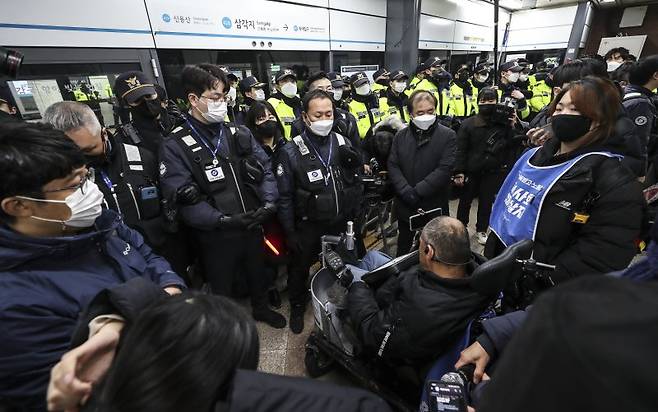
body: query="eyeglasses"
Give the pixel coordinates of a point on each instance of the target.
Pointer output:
(218, 99)
(83, 180)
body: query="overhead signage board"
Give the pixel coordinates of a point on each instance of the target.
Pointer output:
(249, 24)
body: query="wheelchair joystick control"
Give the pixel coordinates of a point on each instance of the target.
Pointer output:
(349, 236)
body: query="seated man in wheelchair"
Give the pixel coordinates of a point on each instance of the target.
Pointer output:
(416, 316)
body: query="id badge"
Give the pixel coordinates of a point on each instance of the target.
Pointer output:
(214, 174)
(315, 175)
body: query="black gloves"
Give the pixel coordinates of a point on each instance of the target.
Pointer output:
(261, 215)
(188, 195)
(410, 197)
(239, 221)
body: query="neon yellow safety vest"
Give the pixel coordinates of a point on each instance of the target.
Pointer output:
(286, 115)
(392, 110)
(79, 95)
(443, 100)
(360, 112)
(541, 96)
(461, 104)
(379, 90)
(523, 114)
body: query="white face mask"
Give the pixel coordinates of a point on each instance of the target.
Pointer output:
(363, 90)
(338, 94)
(85, 207)
(513, 77)
(321, 127)
(613, 65)
(425, 121)
(481, 78)
(259, 95)
(288, 90)
(399, 86)
(523, 77)
(216, 112)
(232, 95)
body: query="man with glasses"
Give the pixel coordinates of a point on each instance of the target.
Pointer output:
(58, 249)
(222, 181)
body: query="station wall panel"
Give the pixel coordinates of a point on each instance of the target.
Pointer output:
(436, 33)
(357, 32)
(374, 7)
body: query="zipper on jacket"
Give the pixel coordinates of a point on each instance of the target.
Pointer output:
(130, 188)
(116, 200)
(333, 182)
(235, 179)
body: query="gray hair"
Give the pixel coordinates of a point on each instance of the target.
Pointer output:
(66, 116)
(449, 239)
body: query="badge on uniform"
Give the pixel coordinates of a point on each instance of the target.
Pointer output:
(315, 175)
(189, 140)
(214, 174)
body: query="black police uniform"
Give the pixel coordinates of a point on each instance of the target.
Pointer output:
(216, 173)
(319, 192)
(128, 177)
(240, 112)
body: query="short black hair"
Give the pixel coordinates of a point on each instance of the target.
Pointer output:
(579, 69)
(487, 93)
(643, 70)
(198, 79)
(594, 67)
(623, 51)
(314, 77)
(314, 95)
(33, 155)
(414, 96)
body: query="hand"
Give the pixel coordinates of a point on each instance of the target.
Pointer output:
(188, 195)
(294, 243)
(172, 290)
(410, 197)
(73, 377)
(517, 95)
(474, 354)
(239, 221)
(538, 135)
(261, 215)
(459, 179)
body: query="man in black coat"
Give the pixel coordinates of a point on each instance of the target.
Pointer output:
(417, 315)
(420, 164)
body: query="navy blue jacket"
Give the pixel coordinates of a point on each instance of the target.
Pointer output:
(45, 283)
(175, 172)
(640, 108)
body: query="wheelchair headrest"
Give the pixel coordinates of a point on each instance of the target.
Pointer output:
(493, 275)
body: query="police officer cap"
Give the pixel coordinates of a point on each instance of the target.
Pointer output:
(482, 67)
(249, 82)
(513, 66)
(433, 62)
(523, 62)
(359, 79)
(397, 75)
(228, 73)
(285, 73)
(130, 86)
(380, 73)
(336, 80)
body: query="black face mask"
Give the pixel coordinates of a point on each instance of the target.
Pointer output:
(486, 110)
(569, 127)
(148, 109)
(269, 128)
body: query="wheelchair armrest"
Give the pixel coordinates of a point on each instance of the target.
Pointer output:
(493, 275)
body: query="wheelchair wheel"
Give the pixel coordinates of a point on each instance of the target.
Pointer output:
(316, 362)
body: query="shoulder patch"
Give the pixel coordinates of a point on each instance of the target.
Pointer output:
(641, 120)
(189, 140)
(163, 169)
(176, 130)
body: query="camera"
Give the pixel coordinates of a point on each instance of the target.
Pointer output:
(503, 111)
(10, 62)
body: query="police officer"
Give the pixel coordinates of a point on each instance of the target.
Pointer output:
(541, 91)
(436, 81)
(463, 96)
(482, 77)
(340, 94)
(639, 105)
(394, 101)
(419, 75)
(381, 78)
(319, 190)
(135, 92)
(232, 94)
(285, 101)
(222, 181)
(507, 89)
(251, 90)
(364, 105)
(126, 174)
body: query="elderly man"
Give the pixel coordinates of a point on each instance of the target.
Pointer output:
(417, 315)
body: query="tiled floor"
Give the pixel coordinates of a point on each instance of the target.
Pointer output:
(282, 352)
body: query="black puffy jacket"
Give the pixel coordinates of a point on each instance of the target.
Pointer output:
(424, 314)
(616, 208)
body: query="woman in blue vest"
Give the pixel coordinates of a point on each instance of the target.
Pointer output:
(572, 196)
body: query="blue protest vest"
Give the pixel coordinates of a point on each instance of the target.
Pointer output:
(516, 211)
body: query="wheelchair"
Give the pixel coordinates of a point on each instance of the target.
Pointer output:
(333, 342)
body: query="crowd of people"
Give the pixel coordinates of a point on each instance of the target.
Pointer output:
(108, 234)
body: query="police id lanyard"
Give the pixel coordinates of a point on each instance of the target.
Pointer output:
(516, 211)
(212, 151)
(325, 164)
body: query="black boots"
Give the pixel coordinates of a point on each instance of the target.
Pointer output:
(297, 318)
(261, 312)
